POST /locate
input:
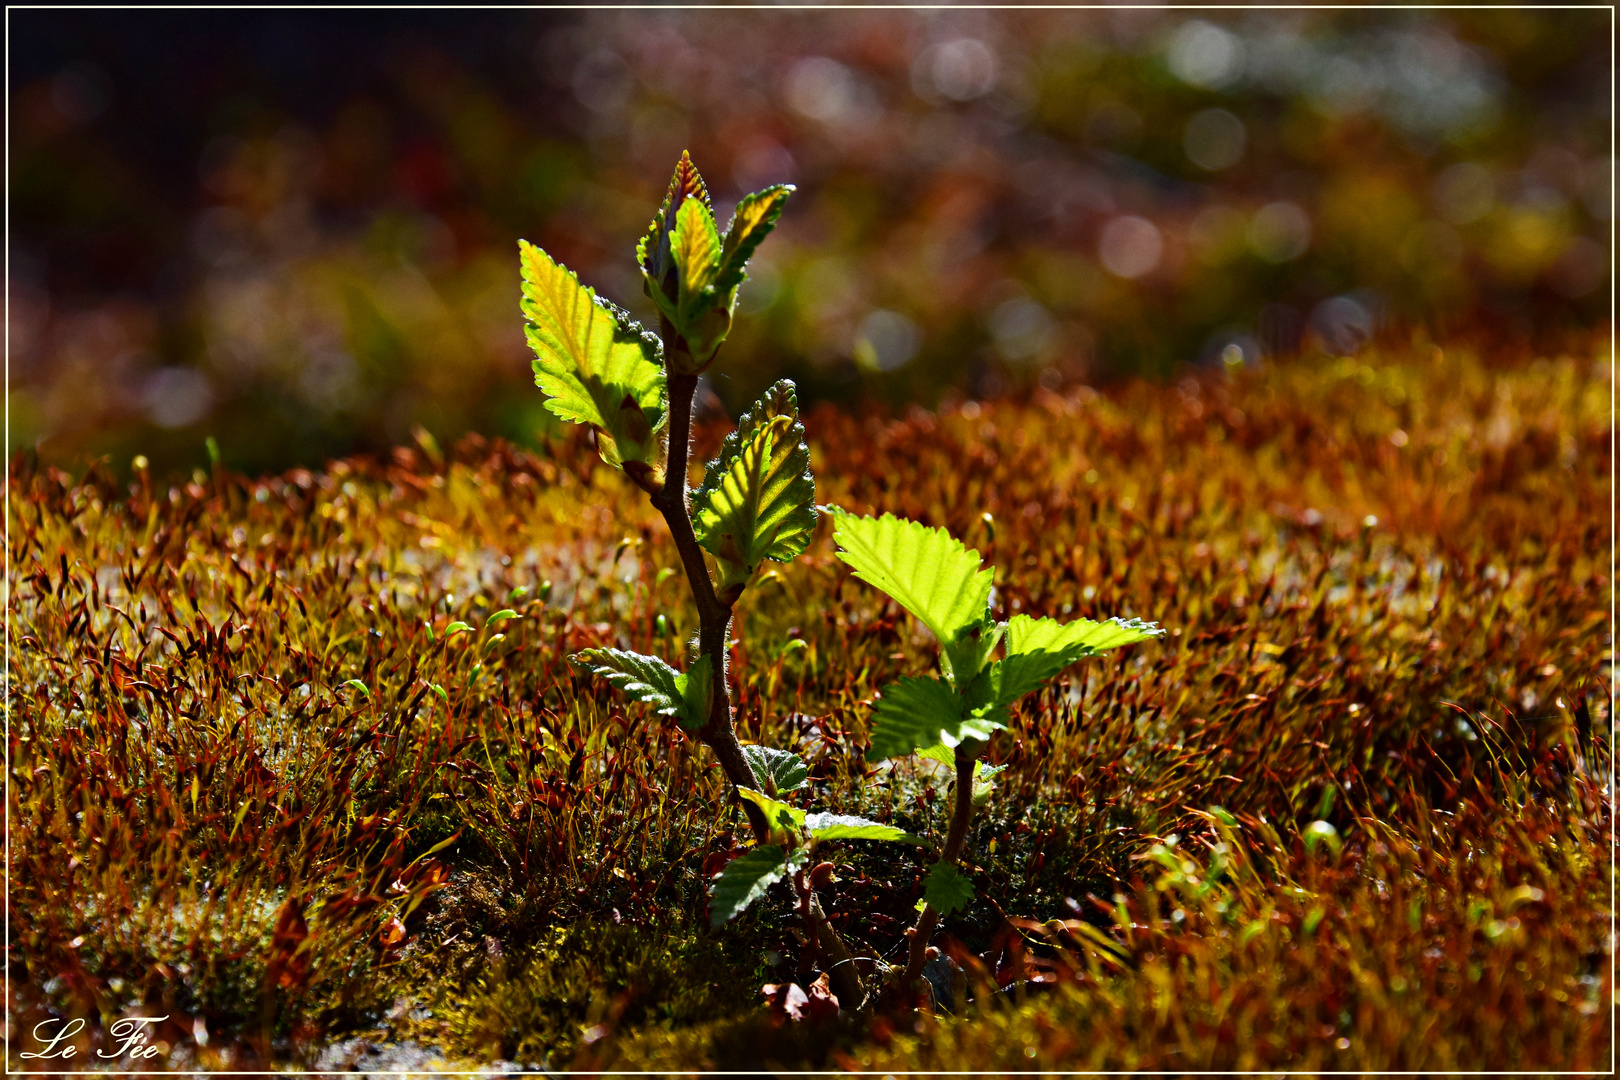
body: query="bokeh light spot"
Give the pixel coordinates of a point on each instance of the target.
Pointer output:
(1280, 232)
(1214, 139)
(1203, 54)
(1130, 246)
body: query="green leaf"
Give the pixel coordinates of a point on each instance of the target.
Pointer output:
(648, 679)
(681, 258)
(501, 616)
(653, 252)
(932, 575)
(1037, 649)
(946, 890)
(697, 692)
(1077, 639)
(456, 628)
(786, 822)
(695, 246)
(982, 773)
(596, 364)
(745, 880)
(777, 771)
(754, 219)
(844, 827)
(923, 712)
(360, 686)
(757, 499)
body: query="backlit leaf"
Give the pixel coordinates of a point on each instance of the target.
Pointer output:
(932, 575)
(786, 822)
(757, 500)
(1037, 649)
(982, 773)
(946, 889)
(754, 219)
(844, 827)
(653, 252)
(745, 880)
(596, 365)
(777, 771)
(923, 712)
(695, 247)
(648, 679)
(1078, 639)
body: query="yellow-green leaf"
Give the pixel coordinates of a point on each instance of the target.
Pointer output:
(695, 247)
(786, 822)
(653, 252)
(757, 499)
(932, 575)
(596, 365)
(754, 219)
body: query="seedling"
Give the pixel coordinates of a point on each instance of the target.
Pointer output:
(944, 585)
(757, 503)
(757, 500)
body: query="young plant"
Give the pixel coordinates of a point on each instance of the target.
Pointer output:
(942, 583)
(756, 502)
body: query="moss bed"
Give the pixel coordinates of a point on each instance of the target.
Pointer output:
(257, 788)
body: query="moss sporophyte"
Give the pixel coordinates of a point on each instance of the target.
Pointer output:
(756, 502)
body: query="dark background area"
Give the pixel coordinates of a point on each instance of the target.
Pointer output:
(295, 231)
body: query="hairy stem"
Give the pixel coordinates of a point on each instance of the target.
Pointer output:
(714, 615)
(961, 815)
(714, 629)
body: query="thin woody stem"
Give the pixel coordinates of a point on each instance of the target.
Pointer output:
(714, 630)
(714, 615)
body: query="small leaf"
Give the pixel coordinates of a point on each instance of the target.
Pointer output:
(923, 712)
(786, 822)
(456, 628)
(982, 775)
(439, 690)
(1037, 649)
(653, 252)
(596, 365)
(745, 880)
(932, 575)
(648, 679)
(778, 771)
(695, 247)
(754, 219)
(360, 686)
(946, 890)
(697, 688)
(1080, 638)
(757, 499)
(501, 616)
(843, 827)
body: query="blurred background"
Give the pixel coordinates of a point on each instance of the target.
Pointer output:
(295, 231)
